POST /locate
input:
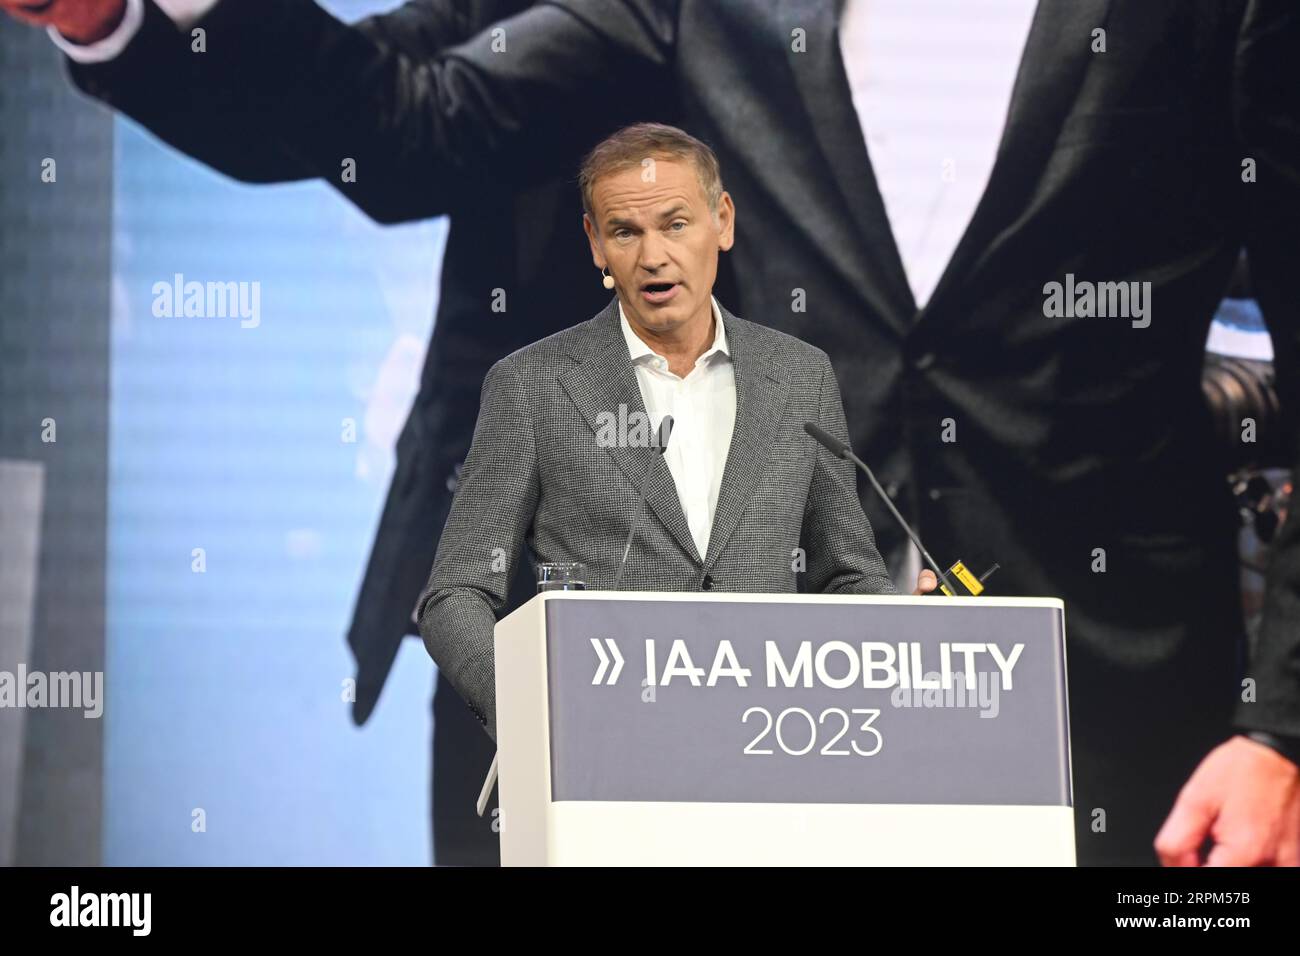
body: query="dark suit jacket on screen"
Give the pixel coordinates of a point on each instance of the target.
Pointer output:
(1084, 459)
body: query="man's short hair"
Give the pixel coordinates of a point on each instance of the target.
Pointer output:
(632, 145)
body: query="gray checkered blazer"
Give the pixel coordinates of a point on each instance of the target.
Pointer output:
(536, 474)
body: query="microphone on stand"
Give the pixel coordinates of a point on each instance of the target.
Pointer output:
(971, 586)
(661, 446)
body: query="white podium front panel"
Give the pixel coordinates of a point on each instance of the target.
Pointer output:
(670, 728)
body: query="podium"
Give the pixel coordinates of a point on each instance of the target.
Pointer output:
(682, 728)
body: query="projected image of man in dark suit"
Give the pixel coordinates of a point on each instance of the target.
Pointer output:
(1137, 142)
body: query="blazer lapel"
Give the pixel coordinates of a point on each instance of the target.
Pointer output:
(871, 263)
(762, 389)
(1057, 52)
(603, 381)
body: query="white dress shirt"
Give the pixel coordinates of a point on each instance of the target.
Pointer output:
(931, 84)
(703, 406)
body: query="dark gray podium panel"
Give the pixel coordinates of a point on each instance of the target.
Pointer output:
(801, 727)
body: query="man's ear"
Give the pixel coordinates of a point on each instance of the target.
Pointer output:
(593, 237)
(726, 223)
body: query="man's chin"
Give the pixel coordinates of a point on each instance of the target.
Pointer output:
(663, 318)
(659, 320)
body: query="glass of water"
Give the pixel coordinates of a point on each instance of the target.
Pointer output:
(561, 576)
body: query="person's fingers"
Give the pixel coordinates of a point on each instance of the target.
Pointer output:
(1261, 825)
(1228, 854)
(1288, 851)
(24, 16)
(81, 21)
(38, 13)
(1179, 841)
(1253, 830)
(1288, 854)
(30, 8)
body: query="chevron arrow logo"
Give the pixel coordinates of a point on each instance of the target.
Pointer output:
(605, 660)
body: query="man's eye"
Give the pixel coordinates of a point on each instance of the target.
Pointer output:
(621, 233)
(678, 226)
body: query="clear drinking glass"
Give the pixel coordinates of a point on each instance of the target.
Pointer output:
(561, 576)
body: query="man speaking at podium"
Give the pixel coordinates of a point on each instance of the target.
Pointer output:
(740, 499)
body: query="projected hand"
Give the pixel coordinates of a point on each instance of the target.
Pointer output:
(1244, 797)
(925, 582)
(81, 21)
